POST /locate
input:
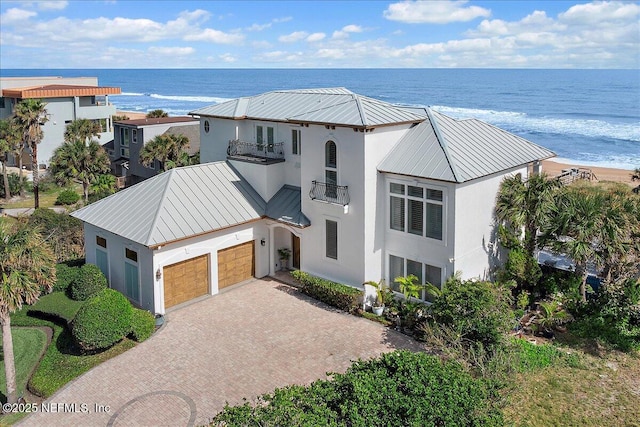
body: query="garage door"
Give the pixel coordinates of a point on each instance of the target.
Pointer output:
(235, 264)
(186, 280)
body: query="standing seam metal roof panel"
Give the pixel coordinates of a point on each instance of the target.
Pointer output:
(176, 205)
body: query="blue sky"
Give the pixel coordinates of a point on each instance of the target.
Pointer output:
(320, 34)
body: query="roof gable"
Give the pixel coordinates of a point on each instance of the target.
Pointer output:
(453, 150)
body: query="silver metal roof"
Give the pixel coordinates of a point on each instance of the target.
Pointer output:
(285, 206)
(177, 204)
(333, 106)
(453, 150)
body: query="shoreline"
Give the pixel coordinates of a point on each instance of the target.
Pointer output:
(554, 168)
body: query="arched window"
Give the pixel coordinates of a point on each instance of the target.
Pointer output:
(330, 155)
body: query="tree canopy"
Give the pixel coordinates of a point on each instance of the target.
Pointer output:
(168, 149)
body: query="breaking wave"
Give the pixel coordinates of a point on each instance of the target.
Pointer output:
(521, 122)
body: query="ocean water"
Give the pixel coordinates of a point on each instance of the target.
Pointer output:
(589, 117)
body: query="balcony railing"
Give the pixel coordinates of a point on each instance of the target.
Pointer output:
(257, 153)
(331, 193)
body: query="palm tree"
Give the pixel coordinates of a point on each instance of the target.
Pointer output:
(576, 224)
(104, 185)
(27, 266)
(11, 143)
(168, 149)
(9, 139)
(524, 205)
(78, 160)
(82, 129)
(154, 114)
(31, 115)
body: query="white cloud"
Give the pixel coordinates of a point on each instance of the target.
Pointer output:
(434, 12)
(171, 51)
(346, 30)
(316, 37)
(293, 37)
(15, 15)
(52, 5)
(259, 27)
(228, 58)
(599, 12)
(215, 36)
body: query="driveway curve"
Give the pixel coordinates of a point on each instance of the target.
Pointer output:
(239, 344)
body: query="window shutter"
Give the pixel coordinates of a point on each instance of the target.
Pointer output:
(396, 269)
(331, 160)
(332, 239)
(434, 221)
(416, 217)
(397, 213)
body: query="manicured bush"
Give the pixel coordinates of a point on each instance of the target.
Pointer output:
(67, 197)
(398, 389)
(338, 295)
(479, 311)
(65, 275)
(102, 321)
(142, 324)
(88, 282)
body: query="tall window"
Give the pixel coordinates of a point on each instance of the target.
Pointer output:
(131, 276)
(331, 239)
(264, 137)
(124, 137)
(401, 267)
(331, 169)
(102, 260)
(296, 140)
(416, 210)
(135, 135)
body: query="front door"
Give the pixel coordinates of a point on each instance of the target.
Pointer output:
(295, 244)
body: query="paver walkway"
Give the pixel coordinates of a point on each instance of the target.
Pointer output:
(241, 343)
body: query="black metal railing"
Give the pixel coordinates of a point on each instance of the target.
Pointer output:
(254, 150)
(332, 193)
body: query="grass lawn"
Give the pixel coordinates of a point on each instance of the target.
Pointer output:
(47, 198)
(605, 391)
(57, 304)
(28, 346)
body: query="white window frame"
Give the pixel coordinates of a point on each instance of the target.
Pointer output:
(425, 201)
(337, 222)
(424, 263)
(296, 142)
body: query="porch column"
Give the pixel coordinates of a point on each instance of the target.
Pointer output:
(272, 265)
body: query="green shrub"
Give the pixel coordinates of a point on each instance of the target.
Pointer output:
(65, 275)
(398, 389)
(479, 311)
(338, 295)
(67, 197)
(142, 324)
(102, 321)
(14, 184)
(88, 282)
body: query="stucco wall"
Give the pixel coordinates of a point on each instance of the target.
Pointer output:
(475, 239)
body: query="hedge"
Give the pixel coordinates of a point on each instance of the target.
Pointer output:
(65, 276)
(56, 304)
(143, 323)
(88, 282)
(67, 197)
(398, 389)
(344, 297)
(102, 321)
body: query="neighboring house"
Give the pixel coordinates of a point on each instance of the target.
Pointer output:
(357, 188)
(131, 135)
(66, 99)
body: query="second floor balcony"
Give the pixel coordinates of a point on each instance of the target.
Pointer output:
(330, 193)
(255, 153)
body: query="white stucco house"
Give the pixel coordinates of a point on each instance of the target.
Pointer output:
(66, 99)
(357, 188)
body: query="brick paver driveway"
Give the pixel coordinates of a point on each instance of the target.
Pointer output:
(241, 343)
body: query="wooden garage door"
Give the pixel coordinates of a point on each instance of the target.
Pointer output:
(186, 280)
(235, 264)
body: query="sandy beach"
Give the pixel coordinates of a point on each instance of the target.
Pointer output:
(553, 168)
(133, 115)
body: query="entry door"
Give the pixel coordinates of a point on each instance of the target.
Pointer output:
(295, 244)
